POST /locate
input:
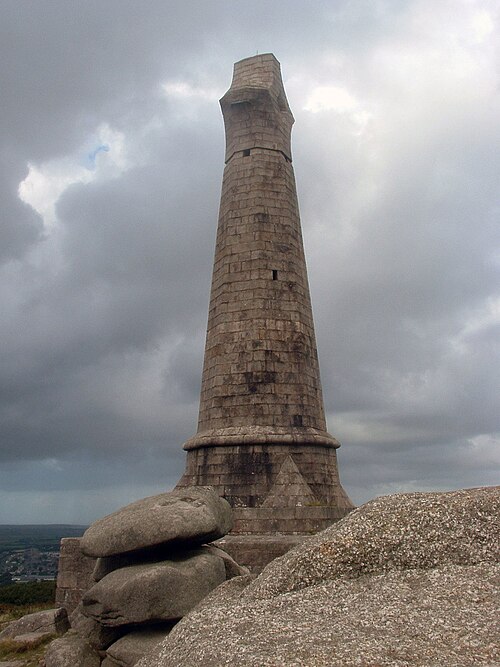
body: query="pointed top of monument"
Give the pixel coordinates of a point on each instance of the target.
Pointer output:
(255, 108)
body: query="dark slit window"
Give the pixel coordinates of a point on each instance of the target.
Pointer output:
(297, 420)
(246, 152)
(275, 274)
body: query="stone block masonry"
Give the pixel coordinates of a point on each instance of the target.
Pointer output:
(74, 575)
(262, 440)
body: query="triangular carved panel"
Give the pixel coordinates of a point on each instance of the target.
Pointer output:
(290, 489)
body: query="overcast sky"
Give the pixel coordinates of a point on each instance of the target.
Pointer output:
(111, 160)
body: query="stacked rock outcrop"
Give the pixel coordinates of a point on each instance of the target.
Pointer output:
(153, 566)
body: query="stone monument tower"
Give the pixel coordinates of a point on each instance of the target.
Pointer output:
(262, 440)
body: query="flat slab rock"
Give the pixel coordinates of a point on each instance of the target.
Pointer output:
(31, 639)
(163, 591)
(106, 565)
(51, 621)
(188, 516)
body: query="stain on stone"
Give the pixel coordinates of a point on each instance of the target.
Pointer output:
(255, 378)
(270, 355)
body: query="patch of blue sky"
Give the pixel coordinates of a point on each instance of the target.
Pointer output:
(90, 159)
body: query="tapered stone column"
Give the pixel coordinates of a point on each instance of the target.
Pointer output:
(262, 440)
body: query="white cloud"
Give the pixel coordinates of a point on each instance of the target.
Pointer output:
(103, 156)
(338, 100)
(43, 185)
(324, 98)
(486, 317)
(482, 26)
(183, 90)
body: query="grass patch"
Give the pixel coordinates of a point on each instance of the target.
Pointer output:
(11, 612)
(29, 652)
(9, 647)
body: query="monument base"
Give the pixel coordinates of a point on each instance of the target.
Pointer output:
(273, 489)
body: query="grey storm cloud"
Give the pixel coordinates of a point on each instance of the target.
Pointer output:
(104, 278)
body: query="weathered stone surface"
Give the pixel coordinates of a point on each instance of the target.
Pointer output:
(74, 574)
(154, 592)
(404, 531)
(108, 564)
(260, 349)
(335, 601)
(440, 617)
(231, 566)
(71, 651)
(154, 555)
(247, 475)
(109, 662)
(51, 621)
(257, 551)
(187, 516)
(95, 634)
(32, 639)
(128, 650)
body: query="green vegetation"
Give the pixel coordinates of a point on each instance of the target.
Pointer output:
(33, 592)
(5, 579)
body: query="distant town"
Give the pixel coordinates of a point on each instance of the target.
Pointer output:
(31, 552)
(31, 565)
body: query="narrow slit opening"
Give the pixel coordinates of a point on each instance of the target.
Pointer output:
(297, 420)
(275, 274)
(246, 152)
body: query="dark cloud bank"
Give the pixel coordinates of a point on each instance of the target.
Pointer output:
(104, 302)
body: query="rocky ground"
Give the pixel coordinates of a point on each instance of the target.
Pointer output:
(406, 580)
(23, 641)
